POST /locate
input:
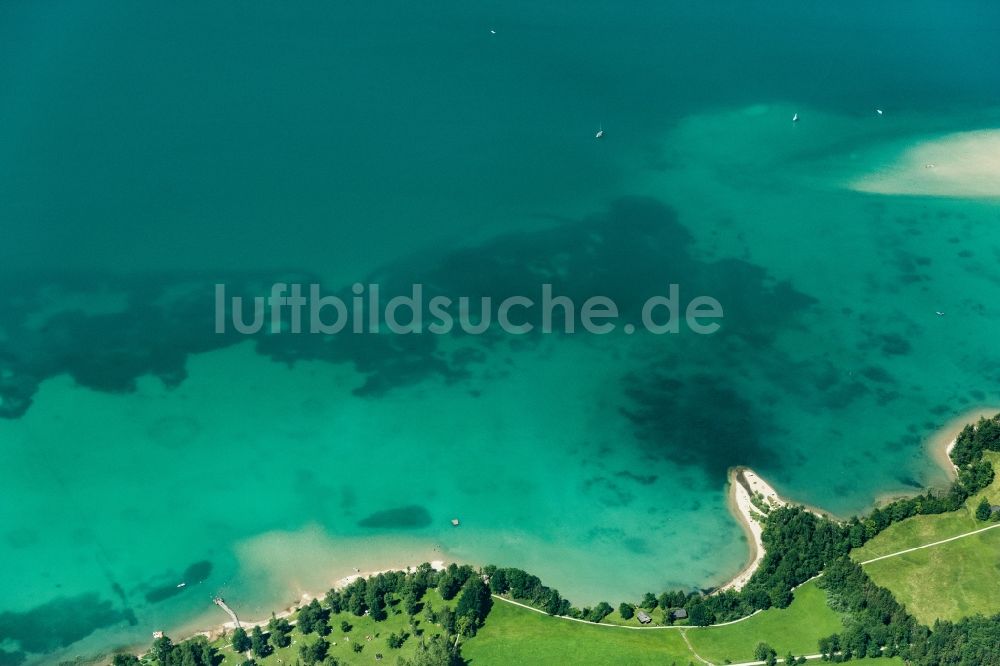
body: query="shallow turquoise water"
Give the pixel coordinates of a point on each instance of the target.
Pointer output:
(146, 154)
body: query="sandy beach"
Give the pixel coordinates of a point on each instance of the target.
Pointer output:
(943, 441)
(226, 627)
(744, 484)
(964, 164)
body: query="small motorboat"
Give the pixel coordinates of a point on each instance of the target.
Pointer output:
(878, 111)
(600, 134)
(795, 118)
(182, 585)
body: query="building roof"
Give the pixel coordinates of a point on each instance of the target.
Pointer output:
(643, 617)
(679, 613)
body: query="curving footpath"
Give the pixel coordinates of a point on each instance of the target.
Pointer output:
(747, 617)
(619, 626)
(929, 545)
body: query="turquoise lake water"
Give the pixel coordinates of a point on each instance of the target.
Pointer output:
(148, 152)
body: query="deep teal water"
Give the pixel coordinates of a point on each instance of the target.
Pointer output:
(148, 152)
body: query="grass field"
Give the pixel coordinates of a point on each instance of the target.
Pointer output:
(950, 581)
(920, 530)
(341, 649)
(515, 635)
(797, 628)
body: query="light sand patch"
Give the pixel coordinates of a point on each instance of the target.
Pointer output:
(965, 164)
(744, 486)
(943, 441)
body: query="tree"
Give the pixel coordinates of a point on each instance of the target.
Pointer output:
(396, 641)
(335, 600)
(280, 631)
(649, 601)
(356, 603)
(983, 511)
(762, 652)
(345, 626)
(600, 611)
(258, 644)
(498, 581)
(307, 620)
(161, 649)
(474, 603)
(464, 626)
(449, 584)
(446, 618)
(240, 641)
(700, 615)
(315, 652)
(125, 660)
(375, 601)
(626, 611)
(767, 654)
(435, 652)
(554, 604)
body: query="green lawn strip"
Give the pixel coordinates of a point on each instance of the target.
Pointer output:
(795, 629)
(920, 530)
(361, 627)
(517, 635)
(949, 581)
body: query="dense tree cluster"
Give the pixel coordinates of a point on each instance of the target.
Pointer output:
(972, 641)
(474, 604)
(875, 623)
(193, 652)
(279, 632)
(451, 580)
(974, 440)
(436, 651)
(312, 619)
(522, 585)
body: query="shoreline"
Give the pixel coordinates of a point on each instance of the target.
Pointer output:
(742, 484)
(222, 629)
(943, 440)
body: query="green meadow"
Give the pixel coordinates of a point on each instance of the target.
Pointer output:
(921, 530)
(947, 581)
(795, 629)
(516, 635)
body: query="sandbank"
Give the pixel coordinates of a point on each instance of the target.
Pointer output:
(963, 164)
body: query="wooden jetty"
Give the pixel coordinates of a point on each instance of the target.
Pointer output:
(221, 603)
